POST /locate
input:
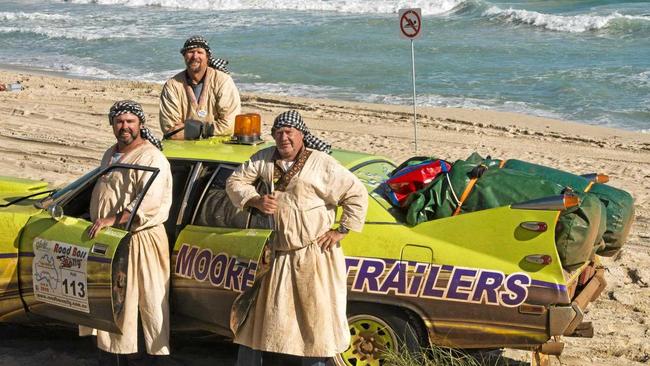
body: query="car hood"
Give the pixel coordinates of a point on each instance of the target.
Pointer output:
(14, 217)
(13, 188)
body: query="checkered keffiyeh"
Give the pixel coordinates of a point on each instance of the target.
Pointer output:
(219, 64)
(294, 119)
(196, 42)
(129, 106)
(200, 42)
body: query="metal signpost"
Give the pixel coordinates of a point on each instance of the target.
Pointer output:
(410, 26)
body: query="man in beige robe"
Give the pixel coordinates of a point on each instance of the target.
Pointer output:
(203, 92)
(112, 204)
(300, 308)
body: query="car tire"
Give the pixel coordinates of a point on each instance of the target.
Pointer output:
(374, 327)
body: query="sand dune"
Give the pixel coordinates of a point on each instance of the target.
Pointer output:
(57, 129)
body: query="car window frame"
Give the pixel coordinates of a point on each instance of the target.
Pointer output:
(218, 167)
(74, 192)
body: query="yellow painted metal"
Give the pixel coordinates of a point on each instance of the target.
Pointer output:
(489, 239)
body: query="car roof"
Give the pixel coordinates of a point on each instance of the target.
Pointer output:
(219, 149)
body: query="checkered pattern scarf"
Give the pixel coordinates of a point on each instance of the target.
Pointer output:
(294, 119)
(129, 106)
(200, 42)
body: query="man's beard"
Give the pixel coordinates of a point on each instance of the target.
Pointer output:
(194, 67)
(132, 135)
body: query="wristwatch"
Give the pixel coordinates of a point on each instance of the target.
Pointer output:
(342, 229)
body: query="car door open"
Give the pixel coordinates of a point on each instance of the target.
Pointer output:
(216, 256)
(64, 274)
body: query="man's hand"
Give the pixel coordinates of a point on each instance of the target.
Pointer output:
(268, 204)
(100, 224)
(330, 239)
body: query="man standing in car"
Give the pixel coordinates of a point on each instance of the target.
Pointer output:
(300, 308)
(203, 93)
(113, 203)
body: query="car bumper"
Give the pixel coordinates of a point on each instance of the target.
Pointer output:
(565, 320)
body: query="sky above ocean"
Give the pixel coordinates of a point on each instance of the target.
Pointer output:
(587, 61)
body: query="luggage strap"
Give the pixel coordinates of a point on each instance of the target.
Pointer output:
(463, 197)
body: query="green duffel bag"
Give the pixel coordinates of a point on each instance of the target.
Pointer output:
(579, 231)
(620, 215)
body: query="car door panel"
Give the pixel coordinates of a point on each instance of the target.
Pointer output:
(210, 268)
(67, 276)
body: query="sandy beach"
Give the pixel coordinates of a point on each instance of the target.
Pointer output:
(57, 128)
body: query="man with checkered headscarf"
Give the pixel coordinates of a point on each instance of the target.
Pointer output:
(299, 308)
(114, 202)
(203, 94)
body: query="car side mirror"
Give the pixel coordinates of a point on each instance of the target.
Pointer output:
(56, 211)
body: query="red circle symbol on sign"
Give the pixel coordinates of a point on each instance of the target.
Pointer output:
(410, 24)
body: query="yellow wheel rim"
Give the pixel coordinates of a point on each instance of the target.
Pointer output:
(370, 337)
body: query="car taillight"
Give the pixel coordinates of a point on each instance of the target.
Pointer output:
(536, 226)
(542, 259)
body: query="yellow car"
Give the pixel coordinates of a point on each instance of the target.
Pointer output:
(487, 279)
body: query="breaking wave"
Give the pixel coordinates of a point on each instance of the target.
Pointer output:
(81, 33)
(565, 23)
(11, 16)
(429, 7)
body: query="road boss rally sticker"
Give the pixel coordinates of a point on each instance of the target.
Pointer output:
(59, 272)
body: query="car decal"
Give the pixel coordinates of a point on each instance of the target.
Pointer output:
(435, 281)
(91, 258)
(377, 276)
(220, 269)
(59, 274)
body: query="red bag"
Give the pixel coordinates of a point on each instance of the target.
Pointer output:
(413, 178)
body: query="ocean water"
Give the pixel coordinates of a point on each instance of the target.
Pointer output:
(587, 61)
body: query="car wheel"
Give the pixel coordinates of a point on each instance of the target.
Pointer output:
(375, 329)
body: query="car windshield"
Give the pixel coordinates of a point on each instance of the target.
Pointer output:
(374, 173)
(57, 194)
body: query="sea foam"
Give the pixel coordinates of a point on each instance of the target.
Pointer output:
(14, 16)
(429, 7)
(562, 23)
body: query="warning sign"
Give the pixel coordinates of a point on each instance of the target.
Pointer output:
(59, 274)
(410, 23)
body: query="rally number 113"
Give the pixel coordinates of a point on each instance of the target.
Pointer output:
(75, 288)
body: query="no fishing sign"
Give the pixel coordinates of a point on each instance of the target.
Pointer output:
(410, 27)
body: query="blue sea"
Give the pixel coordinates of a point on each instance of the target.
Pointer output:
(587, 61)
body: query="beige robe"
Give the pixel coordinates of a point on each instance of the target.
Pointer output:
(301, 304)
(147, 287)
(222, 103)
